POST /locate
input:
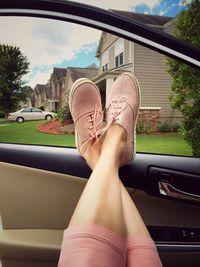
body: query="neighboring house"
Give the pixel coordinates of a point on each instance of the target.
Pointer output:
(50, 95)
(117, 55)
(40, 95)
(54, 95)
(73, 74)
(57, 84)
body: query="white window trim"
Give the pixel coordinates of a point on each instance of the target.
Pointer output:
(118, 49)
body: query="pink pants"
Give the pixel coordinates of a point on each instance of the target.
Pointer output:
(96, 246)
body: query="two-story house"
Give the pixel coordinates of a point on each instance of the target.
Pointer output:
(57, 84)
(40, 95)
(117, 55)
(74, 73)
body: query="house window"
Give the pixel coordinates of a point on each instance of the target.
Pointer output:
(119, 52)
(105, 67)
(105, 59)
(119, 60)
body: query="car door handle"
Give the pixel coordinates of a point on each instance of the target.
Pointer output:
(166, 189)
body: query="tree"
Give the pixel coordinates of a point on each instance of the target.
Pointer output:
(13, 65)
(185, 94)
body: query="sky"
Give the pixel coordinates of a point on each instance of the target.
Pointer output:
(50, 43)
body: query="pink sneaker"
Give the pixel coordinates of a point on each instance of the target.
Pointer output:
(86, 110)
(124, 102)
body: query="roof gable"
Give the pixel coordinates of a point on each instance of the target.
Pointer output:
(89, 72)
(145, 19)
(59, 73)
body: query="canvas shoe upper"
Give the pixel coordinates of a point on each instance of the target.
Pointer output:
(86, 111)
(123, 108)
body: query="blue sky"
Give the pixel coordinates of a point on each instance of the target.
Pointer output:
(48, 43)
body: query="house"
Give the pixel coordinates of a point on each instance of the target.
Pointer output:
(74, 73)
(40, 95)
(50, 95)
(117, 55)
(54, 95)
(56, 84)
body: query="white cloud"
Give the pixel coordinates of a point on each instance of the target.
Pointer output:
(47, 43)
(163, 12)
(40, 77)
(121, 5)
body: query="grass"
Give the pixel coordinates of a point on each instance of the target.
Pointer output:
(26, 133)
(163, 144)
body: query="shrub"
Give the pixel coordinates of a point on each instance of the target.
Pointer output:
(185, 84)
(2, 114)
(166, 126)
(175, 127)
(64, 114)
(42, 108)
(140, 127)
(148, 128)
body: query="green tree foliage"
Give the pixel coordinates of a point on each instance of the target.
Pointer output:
(13, 65)
(185, 94)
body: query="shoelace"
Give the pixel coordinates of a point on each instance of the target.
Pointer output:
(95, 122)
(116, 107)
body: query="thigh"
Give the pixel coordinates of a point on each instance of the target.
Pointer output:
(92, 245)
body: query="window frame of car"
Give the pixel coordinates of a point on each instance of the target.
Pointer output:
(26, 110)
(105, 20)
(36, 110)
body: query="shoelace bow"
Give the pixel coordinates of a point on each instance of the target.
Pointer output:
(95, 122)
(116, 107)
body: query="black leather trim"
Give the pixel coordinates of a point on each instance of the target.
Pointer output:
(68, 161)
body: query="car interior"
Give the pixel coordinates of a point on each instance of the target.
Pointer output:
(40, 185)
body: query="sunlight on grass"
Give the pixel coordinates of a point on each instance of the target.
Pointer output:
(26, 133)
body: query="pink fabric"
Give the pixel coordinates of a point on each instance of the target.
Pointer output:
(95, 246)
(141, 251)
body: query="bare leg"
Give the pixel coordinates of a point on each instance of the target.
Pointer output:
(133, 221)
(101, 201)
(105, 200)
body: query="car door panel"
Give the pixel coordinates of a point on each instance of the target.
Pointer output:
(40, 185)
(36, 207)
(37, 201)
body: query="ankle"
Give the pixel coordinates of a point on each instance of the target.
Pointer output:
(114, 143)
(93, 153)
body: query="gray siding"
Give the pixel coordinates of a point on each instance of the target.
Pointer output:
(126, 52)
(111, 58)
(151, 72)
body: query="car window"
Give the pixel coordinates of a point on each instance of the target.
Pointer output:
(26, 110)
(63, 52)
(36, 110)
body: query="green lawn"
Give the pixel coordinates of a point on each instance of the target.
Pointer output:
(26, 133)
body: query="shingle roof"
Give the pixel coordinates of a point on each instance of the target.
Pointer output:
(59, 73)
(89, 72)
(144, 18)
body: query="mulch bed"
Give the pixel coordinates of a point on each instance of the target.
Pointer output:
(52, 127)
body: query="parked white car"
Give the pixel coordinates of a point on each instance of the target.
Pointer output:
(27, 114)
